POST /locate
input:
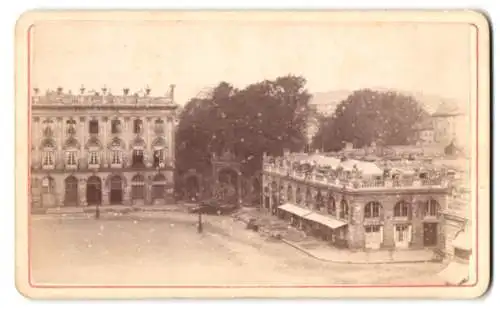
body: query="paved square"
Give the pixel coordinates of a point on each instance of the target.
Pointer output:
(165, 249)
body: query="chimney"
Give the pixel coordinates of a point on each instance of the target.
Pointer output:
(148, 90)
(125, 91)
(104, 90)
(172, 91)
(82, 89)
(59, 90)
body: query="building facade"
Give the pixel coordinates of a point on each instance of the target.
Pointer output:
(355, 204)
(101, 149)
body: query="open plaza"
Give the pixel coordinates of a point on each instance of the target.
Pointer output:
(165, 248)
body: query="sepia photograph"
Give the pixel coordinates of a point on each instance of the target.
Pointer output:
(263, 154)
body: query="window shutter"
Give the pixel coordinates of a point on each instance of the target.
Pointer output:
(381, 234)
(410, 210)
(395, 234)
(410, 235)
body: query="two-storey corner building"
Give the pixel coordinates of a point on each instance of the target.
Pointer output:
(101, 148)
(356, 204)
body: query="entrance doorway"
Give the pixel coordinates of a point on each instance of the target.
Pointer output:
(71, 191)
(94, 194)
(115, 193)
(373, 236)
(402, 234)
(430, 234)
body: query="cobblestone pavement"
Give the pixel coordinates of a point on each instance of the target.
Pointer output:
(165, 249)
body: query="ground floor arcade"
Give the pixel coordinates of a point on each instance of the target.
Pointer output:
(101, 188)
(361, 221)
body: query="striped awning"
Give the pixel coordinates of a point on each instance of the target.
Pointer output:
(296, 210)
(324, 220)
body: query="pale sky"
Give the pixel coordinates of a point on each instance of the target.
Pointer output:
(434, 59)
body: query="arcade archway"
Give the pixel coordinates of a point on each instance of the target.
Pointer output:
(94, 190)
(116, 190)
(71, 191)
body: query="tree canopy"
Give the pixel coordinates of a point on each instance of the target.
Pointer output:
(265, 117)
(367, 116)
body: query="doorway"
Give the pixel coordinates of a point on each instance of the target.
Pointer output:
(115, 193)
(94, 194)
(430, 234)
(402, 234)
(71, 191)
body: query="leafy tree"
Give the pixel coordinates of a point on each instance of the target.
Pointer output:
(368, 116)
(265, 117)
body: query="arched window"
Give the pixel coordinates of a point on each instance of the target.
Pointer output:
(344, 209)
(372, 210)
(116, 152)
(48, 153)
(71, 147)
(48, 185)
(319, 202)
(402, 209)
(298, 196)
(332, 207)
(309, 199)
(431, 208)
(159, 146)
(158, 189)
(289, 195)
(138, 153)
(138, 187)
(282, 195)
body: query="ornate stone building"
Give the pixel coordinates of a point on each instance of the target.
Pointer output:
(356, 204)
(101, 148)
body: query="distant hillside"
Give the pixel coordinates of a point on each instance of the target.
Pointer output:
(328, 101)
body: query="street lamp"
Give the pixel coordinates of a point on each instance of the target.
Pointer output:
(200, 223)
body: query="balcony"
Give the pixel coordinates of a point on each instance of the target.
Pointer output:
(71, 166)
(116, 165)
(94, 166)
(351, 182)
(48, 166)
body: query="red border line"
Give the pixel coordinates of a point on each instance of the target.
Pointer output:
(49, 286)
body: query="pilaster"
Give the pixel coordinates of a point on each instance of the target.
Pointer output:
(82, 186)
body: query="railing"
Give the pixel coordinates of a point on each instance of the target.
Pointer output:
(321, 178)
(71, 166)
(91, 99)
(94, 166)
(48, 166)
